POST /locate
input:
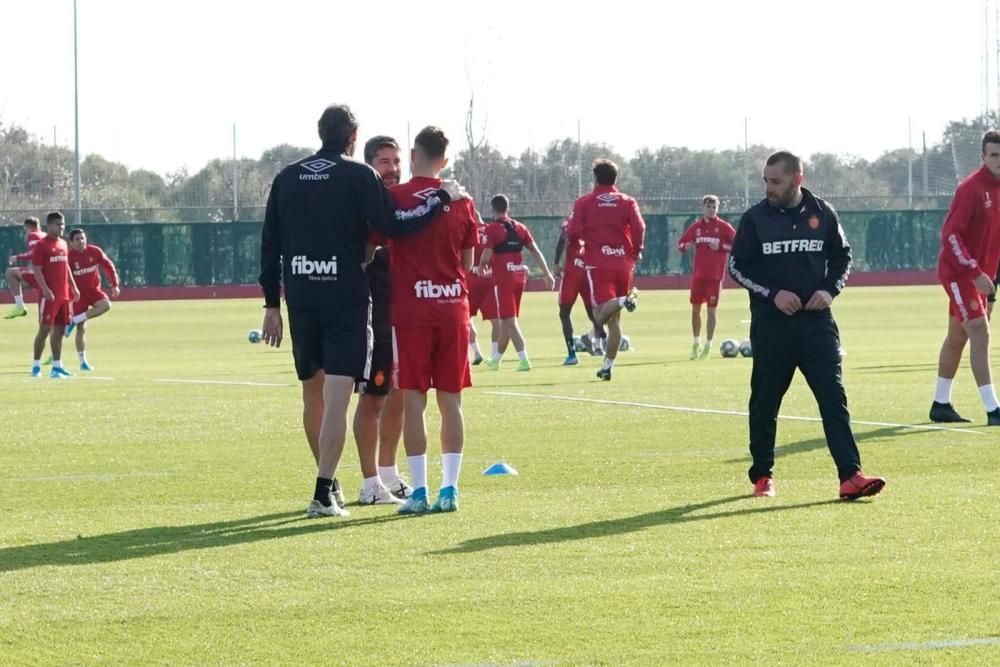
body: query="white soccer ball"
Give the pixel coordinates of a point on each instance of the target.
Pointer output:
(729, 348)
(745, 349)
(255, 336)
(578, 344)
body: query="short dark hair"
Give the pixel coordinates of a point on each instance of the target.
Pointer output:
(31, 221)
(991, 137)
(53, 216)
(605, 172)
(792, 162)
(432, 141)
(336, 126)
(500, 204)
(375, 144)
(76, 231)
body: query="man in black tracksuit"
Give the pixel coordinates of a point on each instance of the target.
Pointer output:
(319, 213)
(791, 255)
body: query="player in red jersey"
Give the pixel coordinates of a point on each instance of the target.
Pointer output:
(613, 231)
(55, 282)
(712, 238)
(85, 263)
(22, 275)
(506, 238)
(430, 318)
(574, 283)
(970, 251)
(481, 298)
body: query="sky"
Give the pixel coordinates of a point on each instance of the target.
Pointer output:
(163, 83)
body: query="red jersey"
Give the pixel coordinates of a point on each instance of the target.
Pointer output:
(30, 240)
(574, 249)
(970, 237)
(610, 226)
(51, 255)
(712, 239)
(428, 286)
(506, 238)
(86, 267)
(482, 241)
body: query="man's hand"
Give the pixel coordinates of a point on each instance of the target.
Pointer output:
(115, 291)
(682, 247)
(557, 270)
(74, 292)
(787, 302)
(638, 257)
(984, 285)
(47, 293)
(820, 300)
(455, 190)
(273, 327)
(550, 281)
(12, 261)
(714, 244)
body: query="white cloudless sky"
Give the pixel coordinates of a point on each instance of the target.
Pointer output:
(161, 83)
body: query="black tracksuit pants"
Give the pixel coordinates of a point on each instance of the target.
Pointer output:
(809, 341)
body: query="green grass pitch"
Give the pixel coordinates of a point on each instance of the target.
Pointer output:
(155, 522)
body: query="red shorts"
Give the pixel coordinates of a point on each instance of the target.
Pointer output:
(28, 277)
(428, 357)
(87, 300)
(966, 303)
(53, 313)
(482, 299)
(608, 284)
(705, 290)
(574, 283)
(508, 300)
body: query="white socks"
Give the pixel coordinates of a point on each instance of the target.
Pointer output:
(19, 300)
(496, 351)
(942, 391)
(523, 355)
(57, 363)
(83, 357)
(418, 470)
(475, 348)
(696, 341)
(452, 464)
(989, 397)
(708, 343)
(388, 474)
(36, 363)
(608, 364)
(82, 317)
(370, 483)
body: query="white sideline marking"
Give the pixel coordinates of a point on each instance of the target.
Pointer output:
(923, 646)
(245, 384)
(92, 477)
(95, 377)
(731, 413)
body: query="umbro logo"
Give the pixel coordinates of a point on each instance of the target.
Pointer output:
(424, 194)
(608, 197)
(318, 165)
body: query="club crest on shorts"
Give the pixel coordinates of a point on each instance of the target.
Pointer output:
(974, 305)
(379, 379)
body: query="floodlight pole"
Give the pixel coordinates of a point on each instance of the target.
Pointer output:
(76, 119)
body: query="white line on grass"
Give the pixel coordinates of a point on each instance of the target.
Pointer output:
(924, 646)
(93, 477)
(731, 413)
(227, 382)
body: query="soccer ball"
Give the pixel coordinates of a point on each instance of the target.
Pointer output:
(745, 349)
(255, 336)
(729, 348)
(578, 344)
(625, 345)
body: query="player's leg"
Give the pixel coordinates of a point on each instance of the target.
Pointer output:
(44, 331)
(598, 333)
(91, 307)
(770, 377)
(312, 411)
(13, 276)
(55, 344)
(978, 331)
(451, 376)
(565, 309)
(477, 353)
(819, 361)
(390, 432)
(367, 419)
(709, 330)
(337, 391)
(695, 328)
(81, 347)
(949, 359)
(412, 378)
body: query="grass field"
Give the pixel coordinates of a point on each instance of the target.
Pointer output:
(145, 521)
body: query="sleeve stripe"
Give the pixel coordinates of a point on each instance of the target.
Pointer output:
(746, 282)
(956, 248)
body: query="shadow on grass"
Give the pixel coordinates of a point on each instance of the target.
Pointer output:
(896, 368)
(162, 540)
(820, 443)
(631, 524)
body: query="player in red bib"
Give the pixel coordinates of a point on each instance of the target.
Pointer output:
(613, 231)
(574, 283)
(712, 238)
(430, 318)
(970, 251)
(23, 275)
(55, 282)
(506, 238)
(86, 261)
(480, 294)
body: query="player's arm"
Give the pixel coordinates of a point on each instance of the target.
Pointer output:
(74, 291)
(370, 249)
(638, 227)
(270, 270)
(468, 256)
(21, 257)
(838, 258)
(560, 247)
(484, 261)
(383, 216)
(961, 213)
(577, 219)
(744, 261)
(728, 233)
(686, 239)
(110, 271)
(38, 260)
(550, 280)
